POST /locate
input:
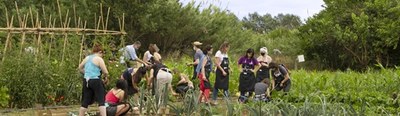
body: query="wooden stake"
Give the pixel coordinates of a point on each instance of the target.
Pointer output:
(44, 15)
(119, 24)
(37, 19)
(102, 17)
(123, 22)
(10, 24)
(79, 22)
(66, 19)
(30, 11)
(8, 21)
(50, 44)
(23, 33)
(19, 16)
(49, 25)
(65, 40)
(82, 41)
(98, 24)
(38, 42)
(75, 20)
(59, 13)
(108, 13)
(52, 37)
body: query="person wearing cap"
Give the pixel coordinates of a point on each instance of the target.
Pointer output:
(196, 58)
(264, 59)
(130, 54)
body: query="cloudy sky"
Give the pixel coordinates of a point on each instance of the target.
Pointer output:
(302, 8)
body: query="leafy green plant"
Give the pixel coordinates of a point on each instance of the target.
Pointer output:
(4, 97)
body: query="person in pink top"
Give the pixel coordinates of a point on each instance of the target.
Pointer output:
(114, 99)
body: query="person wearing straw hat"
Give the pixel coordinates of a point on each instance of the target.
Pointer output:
(196, 58)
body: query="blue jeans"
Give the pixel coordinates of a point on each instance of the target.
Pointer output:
(215, 93)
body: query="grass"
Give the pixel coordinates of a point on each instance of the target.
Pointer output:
(374, 92)
(323, 92)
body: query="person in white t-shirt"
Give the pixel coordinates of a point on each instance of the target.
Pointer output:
(222, 72)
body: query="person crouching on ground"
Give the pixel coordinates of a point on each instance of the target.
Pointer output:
(260, 89)
(115, 98)
(133, 76)
(281, 77)
(184, 85)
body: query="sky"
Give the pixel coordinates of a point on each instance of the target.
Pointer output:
(241, 8)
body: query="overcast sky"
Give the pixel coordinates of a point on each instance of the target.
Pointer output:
(302, 8)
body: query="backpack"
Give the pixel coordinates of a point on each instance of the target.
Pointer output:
(287, 70)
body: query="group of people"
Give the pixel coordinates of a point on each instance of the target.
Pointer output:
(254, 76)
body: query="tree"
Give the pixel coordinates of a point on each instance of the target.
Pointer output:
(354, 34)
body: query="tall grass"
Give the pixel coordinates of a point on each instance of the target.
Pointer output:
(317, 93)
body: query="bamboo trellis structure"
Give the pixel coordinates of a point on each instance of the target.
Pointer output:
(65, 29)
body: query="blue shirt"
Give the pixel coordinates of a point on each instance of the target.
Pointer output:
(92, 71)
(130, 52)
(208, 66)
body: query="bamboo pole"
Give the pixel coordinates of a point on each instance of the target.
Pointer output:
(37, 19)
(98, 23)
(9, 24)
(38, 42)
(36, 24)
(50, 45)
(23, 33)
(123, 22)
(44, 15)
(19, 16)
(82, 41)
(79, 22)
(119, 24)
(49, 25)
(30, 12)
(108, 14)
(59, 13)
(123, 27)
(102, 16)
(52, 37)
(75, 20)
(66, 20)
(65, 41)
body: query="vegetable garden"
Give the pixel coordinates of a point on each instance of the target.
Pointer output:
(43, 44)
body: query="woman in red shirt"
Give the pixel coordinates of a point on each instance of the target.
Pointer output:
(114, 99)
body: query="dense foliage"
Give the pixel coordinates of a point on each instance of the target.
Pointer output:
(354, 34)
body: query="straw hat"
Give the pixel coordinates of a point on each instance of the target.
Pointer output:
(197, 43)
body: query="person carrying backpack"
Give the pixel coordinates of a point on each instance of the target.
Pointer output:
(280, 76)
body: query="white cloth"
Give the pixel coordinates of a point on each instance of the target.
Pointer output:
(148, 55)
(221, 56)
(163, 78)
